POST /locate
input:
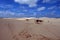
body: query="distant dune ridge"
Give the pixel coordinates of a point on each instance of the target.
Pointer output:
(30, 28)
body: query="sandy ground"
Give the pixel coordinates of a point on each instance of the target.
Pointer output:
(20, 29)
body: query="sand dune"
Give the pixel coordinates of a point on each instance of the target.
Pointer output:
(21, 29)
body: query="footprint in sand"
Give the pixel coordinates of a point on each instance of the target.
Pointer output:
(25, 35)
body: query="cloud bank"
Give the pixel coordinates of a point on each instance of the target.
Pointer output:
(31, 3)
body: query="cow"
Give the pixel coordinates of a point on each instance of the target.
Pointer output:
(39, 21)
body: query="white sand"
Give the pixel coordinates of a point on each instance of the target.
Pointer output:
(11, 28)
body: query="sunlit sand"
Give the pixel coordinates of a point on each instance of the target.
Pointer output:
(30, 29)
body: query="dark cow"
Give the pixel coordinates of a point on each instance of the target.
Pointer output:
(39, 21)
(27, 19)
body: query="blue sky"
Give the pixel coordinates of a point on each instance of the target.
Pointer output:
(29, 8)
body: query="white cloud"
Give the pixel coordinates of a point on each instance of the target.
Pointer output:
(41, 8)
(31, 3)
(5, 6)
(52, 7)
(52, 13)
(46, 1)
(25, 10)
(6, 13)
(20, 14)
(49, 1)
(10, 14)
